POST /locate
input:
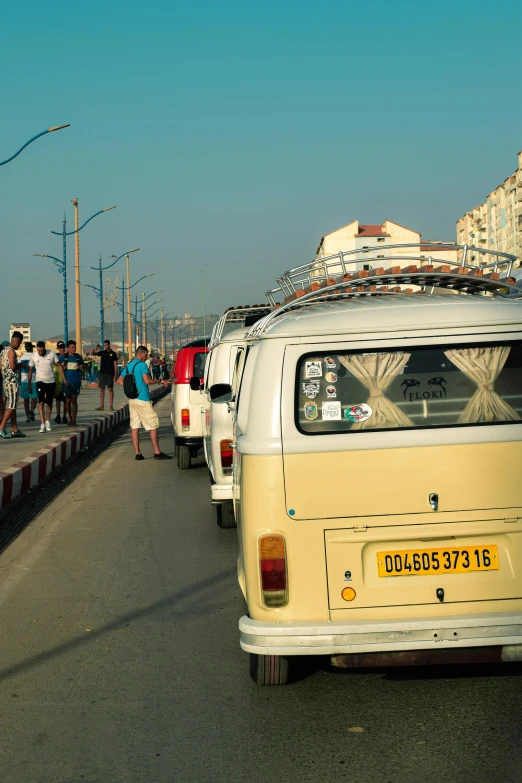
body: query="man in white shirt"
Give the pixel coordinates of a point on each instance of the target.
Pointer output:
(42, 365)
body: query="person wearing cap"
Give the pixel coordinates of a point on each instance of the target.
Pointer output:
(27, 390)
(59, 395)
(43, 364)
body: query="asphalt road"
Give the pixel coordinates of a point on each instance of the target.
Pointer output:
(120, 660)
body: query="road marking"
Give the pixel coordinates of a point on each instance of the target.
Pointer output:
(20, 568)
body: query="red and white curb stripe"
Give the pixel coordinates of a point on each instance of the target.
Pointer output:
(22, 476)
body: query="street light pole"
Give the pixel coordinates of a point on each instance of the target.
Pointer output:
(62, 268)
(78, 311)
(129, 313)
(49, 130)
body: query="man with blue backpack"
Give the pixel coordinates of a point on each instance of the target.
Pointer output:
(135, 379)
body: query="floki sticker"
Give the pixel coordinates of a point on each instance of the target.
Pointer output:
(360, 412)
(331, 392)
(311, 389)
(330, 362)
(331, 411)
(313, 369)
(310, 411)
(331, 377)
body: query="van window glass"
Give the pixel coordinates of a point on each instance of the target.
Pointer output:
(238, 374)
(200, 359)
(443, 386)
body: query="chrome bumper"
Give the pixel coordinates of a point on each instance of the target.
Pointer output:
(335, 638)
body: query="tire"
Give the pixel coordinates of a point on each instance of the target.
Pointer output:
(183, 457)
(270, 669)
(225, 515)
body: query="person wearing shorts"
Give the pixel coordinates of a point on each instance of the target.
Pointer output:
(142, 414)
(9, 364)
(108, 373)
(27, 392)
(72, 363)
(59, 395)
(42, 365)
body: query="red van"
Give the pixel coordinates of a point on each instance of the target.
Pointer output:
(187, 399)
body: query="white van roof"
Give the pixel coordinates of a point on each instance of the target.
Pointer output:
(394, 313)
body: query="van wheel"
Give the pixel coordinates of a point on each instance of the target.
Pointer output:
(270, 669)
(225, 515)
(183, 457)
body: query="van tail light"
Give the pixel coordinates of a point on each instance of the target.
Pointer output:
(185, 419)
(226, 456)
(272, 560)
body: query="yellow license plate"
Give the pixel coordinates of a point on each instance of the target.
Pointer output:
(443, 560)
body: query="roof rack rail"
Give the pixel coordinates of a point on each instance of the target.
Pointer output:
(377, 285)
(239, 314)
(324, 272)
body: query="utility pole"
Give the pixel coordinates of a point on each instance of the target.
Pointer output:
(162, 333)
(129, 311)
(77, 276)
(143, 320)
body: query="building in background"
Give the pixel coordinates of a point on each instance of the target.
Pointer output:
(497, 223)
(21, 327)
(373, 242)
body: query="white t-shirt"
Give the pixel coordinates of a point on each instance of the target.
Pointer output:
(44, 366)
(25, 361)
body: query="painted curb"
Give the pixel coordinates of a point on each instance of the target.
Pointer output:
(24, 475)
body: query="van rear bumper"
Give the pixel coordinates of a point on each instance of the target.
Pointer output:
(370, 636)
(191, 440)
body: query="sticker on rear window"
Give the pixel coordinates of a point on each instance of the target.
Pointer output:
(311, 389)
(331, 392)
(331, 377)
(313, 369)
(331, 411)
(360, 412)
(310, 411)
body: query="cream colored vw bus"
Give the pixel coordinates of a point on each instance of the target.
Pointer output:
(378, 443)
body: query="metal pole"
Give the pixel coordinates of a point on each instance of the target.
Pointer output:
(65, 316)
(77, 275)
(123, 325)
(203, 305)
(144, 319)
(129, 311)
(136, 322)
(102, 309)
(162, 333)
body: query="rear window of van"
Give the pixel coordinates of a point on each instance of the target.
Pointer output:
(200, 359)
(443, 386)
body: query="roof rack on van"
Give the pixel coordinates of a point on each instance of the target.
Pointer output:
(241, 314)
(329, 278)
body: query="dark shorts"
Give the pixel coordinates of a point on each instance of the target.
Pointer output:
(71, 390)
(45, 392)
(59, 397)
(105, 381)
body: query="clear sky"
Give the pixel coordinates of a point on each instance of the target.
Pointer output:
(232, 135)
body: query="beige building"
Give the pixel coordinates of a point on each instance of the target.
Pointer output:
(24, 328)
(497, 223)
(373, 242)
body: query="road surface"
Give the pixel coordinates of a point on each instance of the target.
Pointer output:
(120, 660)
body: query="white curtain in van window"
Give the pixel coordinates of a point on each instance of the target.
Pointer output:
(376, 371)
(483, 366)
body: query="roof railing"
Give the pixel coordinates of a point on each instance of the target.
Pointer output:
(236, 315)
(322, 272)
(390, 284)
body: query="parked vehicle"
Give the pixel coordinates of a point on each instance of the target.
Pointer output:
(187, 398)
(225, 352)
(375, 477)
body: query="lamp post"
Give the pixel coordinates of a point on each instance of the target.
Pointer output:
(49, 130)
(62, 269)
(65, 234)
(99, 294)
(164, 333)
(127, 288)
(102, 269)
(140, 322)
(144, 314)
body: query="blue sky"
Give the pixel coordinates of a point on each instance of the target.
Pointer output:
(232, 136)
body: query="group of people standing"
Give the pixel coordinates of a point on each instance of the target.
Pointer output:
(39, 378)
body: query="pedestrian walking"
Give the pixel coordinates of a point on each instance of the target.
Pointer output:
(59, 395)
(9, 364)
(142, 414)
(108, 374)
(156, 368)
(42, 366)
(27, 390)
(72, 364)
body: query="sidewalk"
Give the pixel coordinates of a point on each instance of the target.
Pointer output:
(26, 461)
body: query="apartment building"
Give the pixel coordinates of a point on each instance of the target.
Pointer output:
(497, 223)
(374, 242)
(24, 328)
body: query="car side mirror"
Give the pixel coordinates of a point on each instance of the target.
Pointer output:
(195, 383)
(220, 393)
